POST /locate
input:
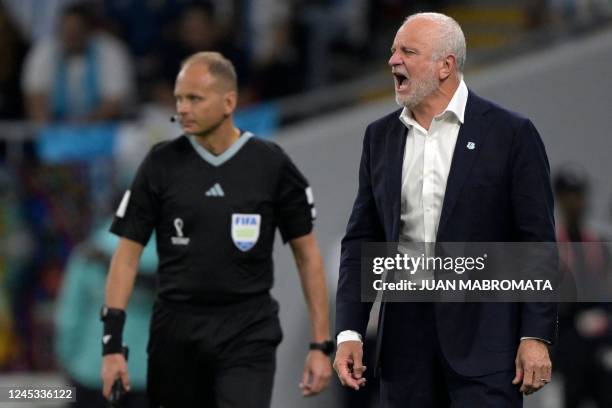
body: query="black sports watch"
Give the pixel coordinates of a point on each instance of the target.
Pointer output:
(327, 347)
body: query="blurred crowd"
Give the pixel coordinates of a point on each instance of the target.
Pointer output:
(99, 60)
(92, 60)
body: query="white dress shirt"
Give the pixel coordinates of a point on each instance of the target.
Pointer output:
(427, 160)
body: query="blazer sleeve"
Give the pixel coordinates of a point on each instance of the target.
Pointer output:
(364, 225)
(533, 211)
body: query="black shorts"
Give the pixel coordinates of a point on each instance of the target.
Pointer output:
(218, 357)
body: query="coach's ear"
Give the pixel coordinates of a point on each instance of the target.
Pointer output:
(447, 66)
(230, 101)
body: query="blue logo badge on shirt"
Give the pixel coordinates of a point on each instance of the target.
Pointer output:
(245, 230)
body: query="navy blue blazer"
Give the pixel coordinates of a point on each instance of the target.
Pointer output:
(497, 192)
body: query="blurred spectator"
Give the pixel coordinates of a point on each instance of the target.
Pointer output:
(37, 19)
(585, 335)
(77, 323)
(54, 205)
(262, 22)
(199, 30)
(279, 72)
(80, 75)
(335, 30)
(135, 139)
(139, 22)
(12, 53)
(15, 249)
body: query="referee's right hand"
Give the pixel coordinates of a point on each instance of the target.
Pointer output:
(114, 366)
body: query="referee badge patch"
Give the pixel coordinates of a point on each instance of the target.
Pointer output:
(245, 230)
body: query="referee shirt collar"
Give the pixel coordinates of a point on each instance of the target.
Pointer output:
(223, 157)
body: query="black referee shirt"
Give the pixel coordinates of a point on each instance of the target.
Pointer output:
(215, 216)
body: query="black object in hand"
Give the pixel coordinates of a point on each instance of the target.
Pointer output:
(117, 391)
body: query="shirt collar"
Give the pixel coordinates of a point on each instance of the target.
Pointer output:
(456, 106)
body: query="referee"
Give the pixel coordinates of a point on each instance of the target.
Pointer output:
(215, 197)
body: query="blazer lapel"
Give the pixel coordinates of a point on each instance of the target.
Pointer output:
(470, 138)
(395, 145)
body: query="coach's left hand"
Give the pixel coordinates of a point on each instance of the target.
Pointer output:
(533, 366)
(317, 372)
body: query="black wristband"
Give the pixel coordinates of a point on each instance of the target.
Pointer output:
(327, 347)
(112, 340)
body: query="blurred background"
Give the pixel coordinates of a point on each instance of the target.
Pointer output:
(86, 87)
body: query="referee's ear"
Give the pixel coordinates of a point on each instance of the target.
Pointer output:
(230, 100)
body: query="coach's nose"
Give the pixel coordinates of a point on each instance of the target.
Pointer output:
(395, 59)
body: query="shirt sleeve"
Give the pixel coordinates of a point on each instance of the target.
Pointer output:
(117, 71)
(295, 210)
(38, 68)
(138, 212)
(348, 335)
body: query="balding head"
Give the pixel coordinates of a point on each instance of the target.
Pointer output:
(446, 36)
(219, 67)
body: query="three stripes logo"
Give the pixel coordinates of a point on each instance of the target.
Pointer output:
(215, 191)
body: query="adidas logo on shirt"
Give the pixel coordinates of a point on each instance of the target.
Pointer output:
(215, 191)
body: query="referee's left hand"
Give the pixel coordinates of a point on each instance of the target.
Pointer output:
(114, 366)
(317, 372)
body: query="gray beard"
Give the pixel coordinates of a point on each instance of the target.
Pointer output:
(418, 93)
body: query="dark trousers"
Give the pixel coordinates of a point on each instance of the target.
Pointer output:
(92, 398)
(221, 357)
(420, 377)
(586, 377)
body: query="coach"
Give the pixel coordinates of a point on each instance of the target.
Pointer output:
(448, 166)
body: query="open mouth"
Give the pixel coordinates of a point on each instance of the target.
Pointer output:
(401, 81)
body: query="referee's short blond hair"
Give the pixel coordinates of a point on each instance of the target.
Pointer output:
(219, 66)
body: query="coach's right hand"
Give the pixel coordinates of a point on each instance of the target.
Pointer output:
(348, 364)
(114, 366)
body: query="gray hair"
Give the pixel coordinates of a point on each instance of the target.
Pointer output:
(449, 38)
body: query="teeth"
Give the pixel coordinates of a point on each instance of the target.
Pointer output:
(401, 80)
